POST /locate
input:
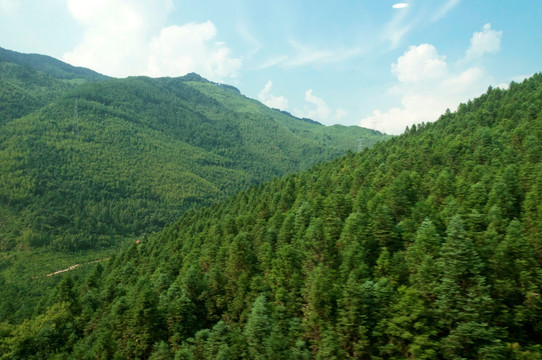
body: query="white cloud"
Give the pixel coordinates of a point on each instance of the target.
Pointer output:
(277, 102)
(463, 81)
(486, 41)
(419, 63)
(415, 108)
(86, 11)
(320, 111)
(123, 38)
(400, 5)
(178, 50)
(317, 109)
(426, 89)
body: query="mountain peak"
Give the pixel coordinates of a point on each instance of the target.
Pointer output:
(192, 76)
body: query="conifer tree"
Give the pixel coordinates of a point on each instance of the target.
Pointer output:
(258, 328)
(464, 305)
(517, 279)
(421, 257)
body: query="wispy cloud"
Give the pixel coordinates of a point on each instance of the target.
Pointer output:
(321, 110)
(444, 9)
(273, 61)
(248, 36)
(400, 5)
(397, 28)
(303, 55)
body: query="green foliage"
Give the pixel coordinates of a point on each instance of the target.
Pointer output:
(417, 248)
(425, 246)
(30, 81)
(24, 90)
(25, 286)
(50, 66)
(258, 328)
(125, 157)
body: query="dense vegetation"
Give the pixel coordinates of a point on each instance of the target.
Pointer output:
(83, 165)
(426, 246)
(87, 162)
(50, 66)
(28, 82)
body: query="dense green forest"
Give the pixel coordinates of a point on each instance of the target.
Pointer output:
(88, 163)
(426, 246)
(28, 82)
(85, 160)
(50, 66)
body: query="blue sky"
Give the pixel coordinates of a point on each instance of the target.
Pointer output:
(375, 63)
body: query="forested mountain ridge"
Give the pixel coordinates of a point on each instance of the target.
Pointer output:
(30, 81)
(426, 246)
(50, 66)
(85, 158)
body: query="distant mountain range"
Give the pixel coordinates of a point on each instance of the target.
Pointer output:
(85, 158)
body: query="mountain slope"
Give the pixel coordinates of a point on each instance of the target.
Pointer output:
(24, 90)
(122, 157)
(50, 66)
(30, 81)
(425, 246)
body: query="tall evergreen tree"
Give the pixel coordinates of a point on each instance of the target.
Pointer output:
(464, 304)
(258, 328)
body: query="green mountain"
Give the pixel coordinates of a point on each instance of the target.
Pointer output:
(425, 246)
(85, 159)
(50, 66)
(28, 82)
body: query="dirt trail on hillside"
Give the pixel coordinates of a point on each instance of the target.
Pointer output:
(69, 268)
